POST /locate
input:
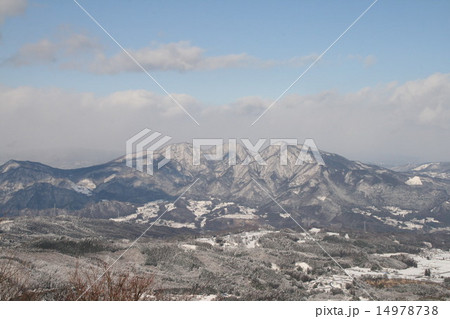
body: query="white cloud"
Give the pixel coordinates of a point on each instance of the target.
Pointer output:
(43, 51)
(79, 43)
(302, 60)
(80, 52)
(62, 51)
(367, 61)
(11, 8)
(182, 56)
(374, 123)
(179, 56)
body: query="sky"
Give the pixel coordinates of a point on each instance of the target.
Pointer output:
(71, 96)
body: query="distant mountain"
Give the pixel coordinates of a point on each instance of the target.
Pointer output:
(342, 193)
(437, 170)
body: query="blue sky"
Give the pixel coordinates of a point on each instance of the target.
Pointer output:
(226, 53)
(408, 40)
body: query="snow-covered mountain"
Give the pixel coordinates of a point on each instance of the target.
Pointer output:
(342, 193)
(437, 170)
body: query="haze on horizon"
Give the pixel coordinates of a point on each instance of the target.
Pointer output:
(70, 97)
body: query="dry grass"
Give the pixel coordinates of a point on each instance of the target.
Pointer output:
(82, 285)
(14, 277)
(103, 284)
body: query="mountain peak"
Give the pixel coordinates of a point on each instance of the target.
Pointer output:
(9, 165)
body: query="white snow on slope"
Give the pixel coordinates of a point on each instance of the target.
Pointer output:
(304, 266)
(187, 247)
(425, 220)
(314, 230)
(414, 224)
(246, 210)
(10, 166)
(414, 181)
(239, 216)
(109, 178)
(245, 239)
(274, 267)
(172, 224)
(149, 210)
(437, 260)
(5, 225)
(250, 239)
(398, 211)
(143, 213)
(422, 167)
(206, 240)
(200, 207)
(85, 186)
(222, 205)
(333, 234)
(245, 213)
(169, 207)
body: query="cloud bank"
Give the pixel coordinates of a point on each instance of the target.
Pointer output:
(391, 121)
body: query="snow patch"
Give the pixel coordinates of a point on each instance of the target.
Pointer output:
(143, 214)
(333, 234)
(187, 247)
(109, 178)
(360, 211)
(245, 239)
(398, 211)
(170, 207)
(247, 210)
(422, 167)
(428, 244)
(199, 208)
(206, 240)
(425, 220)
(274, 267)
(245, 213)
(10, 166)
(250, 239)
(239, 216)
(87, 183)
(304, 266)
(414, 181)
(437, 260)
(149, 210)
(172, 224)
(222, 205)
(85, 187)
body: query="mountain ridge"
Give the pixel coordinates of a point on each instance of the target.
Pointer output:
(343, 192)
